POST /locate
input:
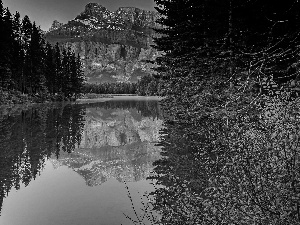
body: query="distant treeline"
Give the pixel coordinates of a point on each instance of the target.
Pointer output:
(30, 65)
(147, 85)
(110, 88)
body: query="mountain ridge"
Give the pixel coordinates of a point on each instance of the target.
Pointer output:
(113, 46)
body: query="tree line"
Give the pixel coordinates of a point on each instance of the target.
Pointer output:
(146, 86)
(30, 65)
(110, 88)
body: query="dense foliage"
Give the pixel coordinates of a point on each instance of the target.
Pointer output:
(242, 169)
(110, 88)
(230, 146)
(232, 40)
(31, 66)
(146, 86)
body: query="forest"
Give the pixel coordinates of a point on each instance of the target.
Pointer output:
(147, 85)
(30, 68)
(230, 76)
(226, 44)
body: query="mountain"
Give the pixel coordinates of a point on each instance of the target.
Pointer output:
(113, 46)
(118, 144)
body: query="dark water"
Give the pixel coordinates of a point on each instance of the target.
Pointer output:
(78, 164)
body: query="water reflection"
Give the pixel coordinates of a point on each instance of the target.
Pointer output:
(29, 138)
(116, 142)
(241, 171)
(101, 142)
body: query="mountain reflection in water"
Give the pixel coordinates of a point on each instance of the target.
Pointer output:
(100, 142)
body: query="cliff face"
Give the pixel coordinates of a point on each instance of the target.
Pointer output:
(115, 144)
(113, 46)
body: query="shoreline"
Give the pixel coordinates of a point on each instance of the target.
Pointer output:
(15, 108)
(118, 97)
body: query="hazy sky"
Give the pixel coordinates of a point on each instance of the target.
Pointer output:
(44, 12)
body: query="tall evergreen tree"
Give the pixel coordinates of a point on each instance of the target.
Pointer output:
(191, 36)
(65, 79)
(58, 70)
(76, 75)
(17, 53)
(6, 45)
(26, 31)
(80, 78)
(2, 47)
(50, 68)
(36, 53)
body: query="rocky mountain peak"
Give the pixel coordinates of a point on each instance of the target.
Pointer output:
(113, 46)
(94, 9)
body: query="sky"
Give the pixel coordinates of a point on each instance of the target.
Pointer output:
(44, 12)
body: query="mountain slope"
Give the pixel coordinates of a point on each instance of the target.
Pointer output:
(113, 46)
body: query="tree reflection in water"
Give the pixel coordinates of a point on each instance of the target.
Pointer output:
(29, 137)
(244, 170)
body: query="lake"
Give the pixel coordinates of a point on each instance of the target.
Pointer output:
(120, 160)
(75, 164)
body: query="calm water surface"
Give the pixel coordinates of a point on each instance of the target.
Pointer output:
(78, 164)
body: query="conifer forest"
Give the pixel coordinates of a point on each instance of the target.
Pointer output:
(230, 74)
(30, 66)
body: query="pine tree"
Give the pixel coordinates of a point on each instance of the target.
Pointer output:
(3, 69)
(50, 68)
(17, 53)
(66, 78)
(26, 31)
(6, 44)
(190, 37)
(80, 76)
(36, 53)
(58, 70)
(77, 77)
(1, 12)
